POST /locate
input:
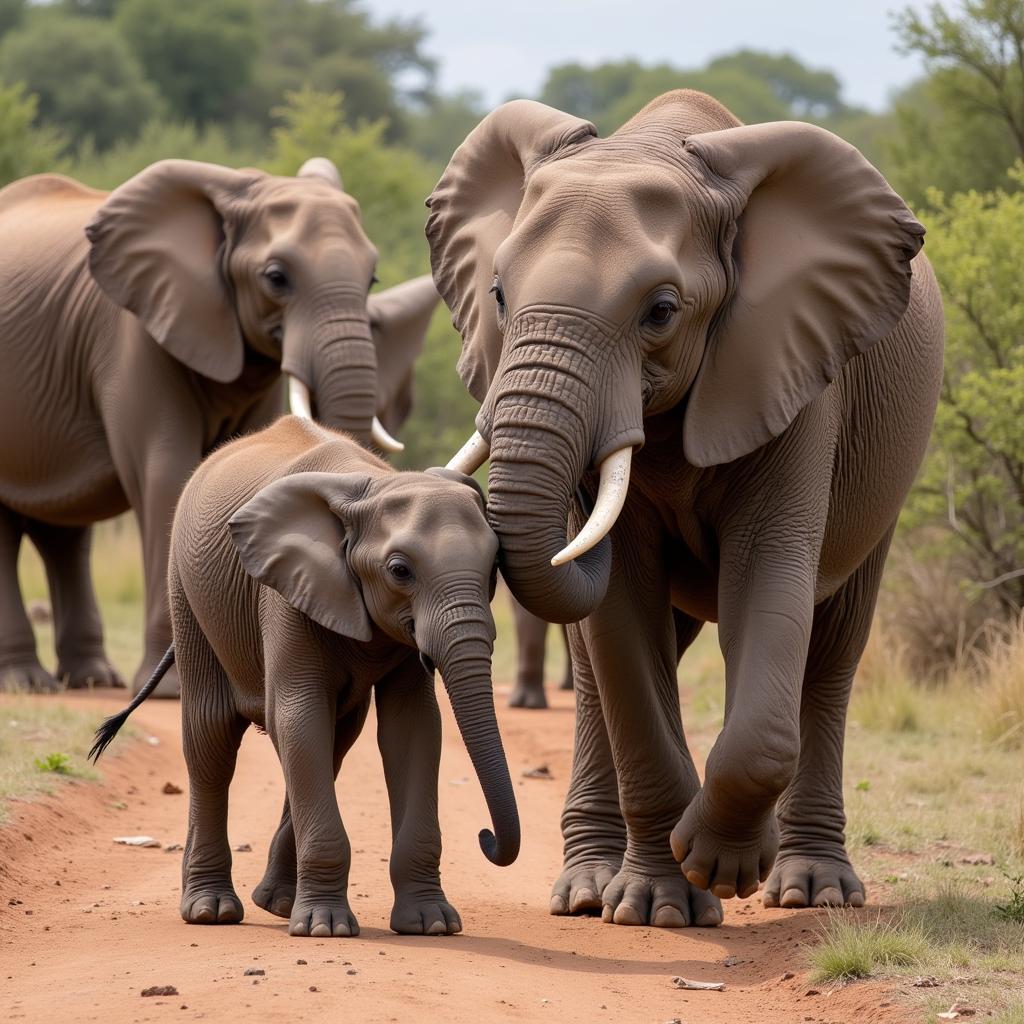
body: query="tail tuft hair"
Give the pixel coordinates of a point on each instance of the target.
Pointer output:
(112, 726)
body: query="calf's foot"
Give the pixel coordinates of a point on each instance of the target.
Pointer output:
(211, 904)
(422, 912)
(323, 918)
(578, 889)
(275, 894)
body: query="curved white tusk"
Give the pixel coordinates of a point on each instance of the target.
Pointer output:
(382, 439)
(471, 456)
(298, 399)
(611, 495)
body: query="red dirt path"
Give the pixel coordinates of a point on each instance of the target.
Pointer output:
(97, 923)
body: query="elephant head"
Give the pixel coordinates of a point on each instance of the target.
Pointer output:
(722, 274)
(412, 554)
(223, 266)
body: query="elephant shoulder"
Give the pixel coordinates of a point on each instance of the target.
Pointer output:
(49, 188)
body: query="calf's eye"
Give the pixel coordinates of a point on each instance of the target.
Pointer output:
(399, 570)
(661, 313)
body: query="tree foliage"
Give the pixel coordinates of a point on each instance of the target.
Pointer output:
(973, 480)
(24, 147)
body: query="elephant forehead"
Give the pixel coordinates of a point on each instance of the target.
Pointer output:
(425, 512)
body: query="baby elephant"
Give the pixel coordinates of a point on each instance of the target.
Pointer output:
(304, 573)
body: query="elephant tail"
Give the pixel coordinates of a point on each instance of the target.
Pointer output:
(112, 726)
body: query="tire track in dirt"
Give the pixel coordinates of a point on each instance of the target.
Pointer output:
(97, 922)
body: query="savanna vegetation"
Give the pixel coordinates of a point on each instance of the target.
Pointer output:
(89, 88)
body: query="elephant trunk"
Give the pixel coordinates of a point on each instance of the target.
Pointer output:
(344, 382)
(541, 444)
(464, 646)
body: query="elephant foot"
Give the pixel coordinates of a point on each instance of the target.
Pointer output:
(660, 897)
(169, 688)
(275, 894)
(714, 855)
(26, 676)
(825, 880)
(87, 671)
(323, 918)
(528, 697)
(424, 913)
(567, 683)
(579, 887)
(211, 904)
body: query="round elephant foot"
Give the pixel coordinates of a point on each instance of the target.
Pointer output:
(827, 880)
(714, 857)
(579, 887)
(169, 688)
(275, 895)
(528, 697)
(637, 896)
(26, 676)
(86, 672)
(211, 905)
(424, 914)
(323, 919)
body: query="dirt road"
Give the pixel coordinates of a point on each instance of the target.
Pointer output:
(98, 923)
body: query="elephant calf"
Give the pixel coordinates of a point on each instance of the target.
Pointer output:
(304, 574)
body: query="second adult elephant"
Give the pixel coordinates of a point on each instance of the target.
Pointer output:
(717, 346)
(142, 328)
(531, 656)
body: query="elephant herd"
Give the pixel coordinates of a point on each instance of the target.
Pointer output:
(707, 358)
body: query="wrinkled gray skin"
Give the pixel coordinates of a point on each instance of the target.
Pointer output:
(531, 649)
(742, 308)
(305, 577)
(141, 329)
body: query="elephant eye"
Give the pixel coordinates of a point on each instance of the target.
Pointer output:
(499, 296)
(661, 313)
(276, 277)
(399, 569)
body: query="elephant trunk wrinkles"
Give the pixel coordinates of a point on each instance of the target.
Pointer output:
(541, 445)
(463, 646)
(344, 384)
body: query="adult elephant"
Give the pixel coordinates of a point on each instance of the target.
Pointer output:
(731, 328)
(141, 329)
(531, 652)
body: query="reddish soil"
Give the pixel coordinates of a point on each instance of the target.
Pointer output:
(86, 925)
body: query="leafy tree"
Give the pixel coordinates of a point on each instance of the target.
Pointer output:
(972, 485)
(439, 127)
(199, 52)
(88, 82)
(24, 147)
(11, 14)
(963, 125)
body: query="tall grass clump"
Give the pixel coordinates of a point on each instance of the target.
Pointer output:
(853, 947)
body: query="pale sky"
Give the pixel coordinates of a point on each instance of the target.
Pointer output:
(504, 47)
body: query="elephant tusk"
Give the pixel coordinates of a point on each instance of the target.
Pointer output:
(382, 439)
(611, 495)
(471, 456)
(298, 399)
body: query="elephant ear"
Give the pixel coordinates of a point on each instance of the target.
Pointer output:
(292, 537)
(821, 255)
(399, 318)
(472, 210)
(156, 251)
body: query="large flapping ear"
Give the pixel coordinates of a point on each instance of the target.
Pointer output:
(292, 537)
(156, 251)
(399, 318)
(821, 253)
(472, 210)
(321, 167)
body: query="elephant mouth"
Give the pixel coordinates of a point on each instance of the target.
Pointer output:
(301, 403)
(613, 486)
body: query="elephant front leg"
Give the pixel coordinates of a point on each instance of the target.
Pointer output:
(276, 892)
(631, 642)
(19, 664)
(301, 720)
(592, 826)
(81, 658)
(409, 737)
(727, 840)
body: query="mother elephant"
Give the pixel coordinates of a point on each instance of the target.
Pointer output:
(142, 328)
(730, 327)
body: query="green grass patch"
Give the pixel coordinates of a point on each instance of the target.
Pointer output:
(852, 947)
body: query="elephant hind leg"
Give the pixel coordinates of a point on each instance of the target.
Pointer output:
(812, 868)
(19, 664)
(276, 891)
(212, 731)
(81, 659)
(531, 642)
